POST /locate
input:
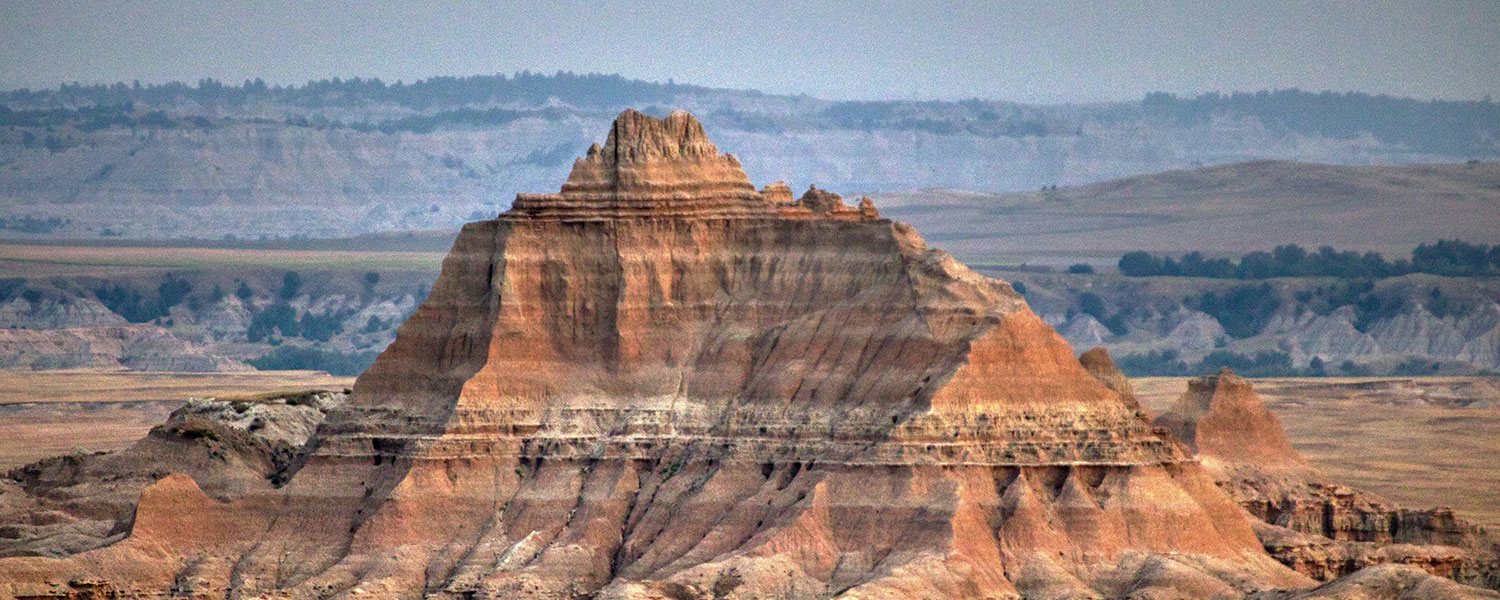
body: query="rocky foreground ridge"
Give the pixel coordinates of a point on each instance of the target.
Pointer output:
(663, 383)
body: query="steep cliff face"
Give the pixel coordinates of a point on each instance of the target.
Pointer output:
(662, 383)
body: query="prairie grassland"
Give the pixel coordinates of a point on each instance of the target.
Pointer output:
(57, 412)
(39, 259)
(1419, 442)
(83, 386)
(1226, 209)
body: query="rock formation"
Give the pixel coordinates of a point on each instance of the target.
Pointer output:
(1221, 418)
(1099, 364)
(1320, 528)
(661, 383)
(67, 504)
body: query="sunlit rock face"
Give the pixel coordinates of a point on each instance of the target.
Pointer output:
(1313, 524)
(663, 383)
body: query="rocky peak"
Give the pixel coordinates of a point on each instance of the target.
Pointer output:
(637, 137)
(1099, 364)
(658, 380)
(1222, 418)
(668, 168)
(821, 201)
(779, 193)
(1204, 391)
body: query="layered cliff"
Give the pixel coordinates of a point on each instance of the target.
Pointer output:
(662, 383)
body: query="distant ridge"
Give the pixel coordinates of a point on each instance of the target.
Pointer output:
(343, 157)
(1226, 209)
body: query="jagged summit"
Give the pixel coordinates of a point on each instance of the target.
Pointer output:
(637, 137)
(668, 168)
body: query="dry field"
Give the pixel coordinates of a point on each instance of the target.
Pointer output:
(1226, 209)
(56, 412)
(47, 259)
(1420, 442)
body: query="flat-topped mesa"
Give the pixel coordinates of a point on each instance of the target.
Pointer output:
(668, 168)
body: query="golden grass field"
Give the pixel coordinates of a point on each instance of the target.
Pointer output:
(1409, 440)
(1225, 209)
(38, 260)
(56, 412)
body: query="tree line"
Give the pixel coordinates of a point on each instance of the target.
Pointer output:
(1445, 127)
(585, 89)
(1449, 127)
(1451, 258)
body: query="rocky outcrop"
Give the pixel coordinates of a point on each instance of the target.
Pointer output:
(56, 313)
(668, 168)
(1221, 418)
(1098, 363)
(1321, 529)
(1084, 330)
(68, 504)
(661, 383)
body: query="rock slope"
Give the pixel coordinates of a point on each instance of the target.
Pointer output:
(1320, 528)
(64, 505)
(1220, 418)
(661, 383)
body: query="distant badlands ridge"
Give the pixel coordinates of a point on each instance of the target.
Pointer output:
(662, 383)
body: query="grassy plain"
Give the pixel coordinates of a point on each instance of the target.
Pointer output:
(1224, 210)
(56, 412)
(1420, 442)
(34, 260)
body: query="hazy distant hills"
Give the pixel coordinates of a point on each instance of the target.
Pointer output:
(345, 157)
(1229, 209)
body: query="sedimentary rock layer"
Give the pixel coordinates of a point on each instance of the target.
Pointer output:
(662, 383)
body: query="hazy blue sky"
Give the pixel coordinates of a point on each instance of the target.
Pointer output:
(844, 50)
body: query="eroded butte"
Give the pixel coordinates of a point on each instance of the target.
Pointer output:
(664, 383)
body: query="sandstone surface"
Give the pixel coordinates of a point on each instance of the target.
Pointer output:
(1221, 418)
(661, 383)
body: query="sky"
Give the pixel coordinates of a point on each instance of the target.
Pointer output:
(1044, 52)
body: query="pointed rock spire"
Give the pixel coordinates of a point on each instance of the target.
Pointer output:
(1221, 417)
(668, 168)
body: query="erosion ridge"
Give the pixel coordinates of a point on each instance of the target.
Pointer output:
(662, 383)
